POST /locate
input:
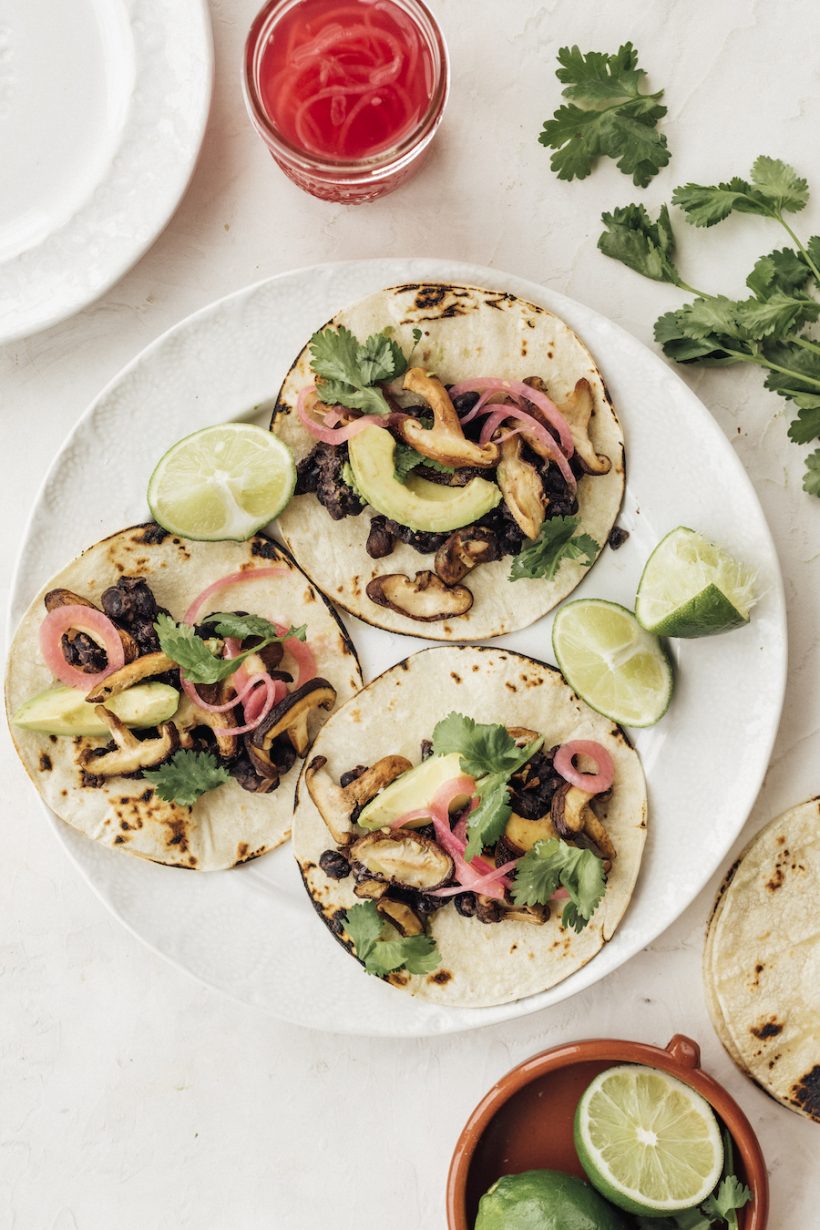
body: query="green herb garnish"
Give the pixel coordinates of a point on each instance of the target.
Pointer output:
(606, 114)
(187, 776)
(349, 372)
(489, 753)
(418, 954)
(406, 459)
(193, 655)
(552, 864)
(556, 542)
(767, 329)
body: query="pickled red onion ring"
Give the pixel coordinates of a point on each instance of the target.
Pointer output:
(241, 693)
(233, 578)
(338, 435)
(94, 624)
(270, 700)
(517, 389)
(480, 883)
(496, 417)
(302, 655)
(591, 783)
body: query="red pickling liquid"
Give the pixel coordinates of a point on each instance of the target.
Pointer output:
(345, 79)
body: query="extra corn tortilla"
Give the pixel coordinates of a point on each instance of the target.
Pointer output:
(466, 332)
(481, 964)
(228, 825)
(762, 960)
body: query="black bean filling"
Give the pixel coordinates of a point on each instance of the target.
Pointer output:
(321, 473)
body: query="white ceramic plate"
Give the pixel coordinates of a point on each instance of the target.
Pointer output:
(103, 105)
(252, 931)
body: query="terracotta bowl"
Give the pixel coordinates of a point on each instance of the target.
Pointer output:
(525, 1122)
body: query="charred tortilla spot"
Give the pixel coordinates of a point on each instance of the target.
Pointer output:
(805, 1093)
(308, 596)
(241, 851)
(776, 881)
(441, 977)
(456, 678)
(264, 548)
(45, 763)
(769, 1029)
(119, 839)
(510, 686)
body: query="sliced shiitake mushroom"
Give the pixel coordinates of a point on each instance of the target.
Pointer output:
(369, 888)
(368, 784)
(337, 804)
(490, 910)
(445, 441)
(133, 672)
(425, 597)
(56, 598)
(520, 834)
(463, 550)
(403, 857)
(404, 919)
(291, 716)
(571, 813)
(130, 753)
(577, 410)
(521, 487)
(190, 715)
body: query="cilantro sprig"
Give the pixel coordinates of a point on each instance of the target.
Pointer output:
(606, 114)
(406, 459)
(187, 776)
(195, 657)
(553, 864)
(769, 328)
(490, 754)
(349, 372)
(556, 542)
(418, 954)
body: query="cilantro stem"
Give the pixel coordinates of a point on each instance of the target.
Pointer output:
(761, 361)
(803, 251)
(803, 342)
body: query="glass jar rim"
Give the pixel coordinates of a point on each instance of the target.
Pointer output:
(391, 157)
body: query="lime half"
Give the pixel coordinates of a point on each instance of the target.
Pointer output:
(612, 662)
(222, 482)
(690, 587)
(649, 1143)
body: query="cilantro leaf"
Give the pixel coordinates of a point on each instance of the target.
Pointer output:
(406, 459)
(419, 954)
(783, 270)
(193, 656)
(606, 114)
(775, 188)
(731, 1195)
(634, 239)
(555, 543)
(811, 478)
(778, 314)
(552, 864)
(485, 747)
(486, 824)
(187, 776)
(348, 372)
(229, 623)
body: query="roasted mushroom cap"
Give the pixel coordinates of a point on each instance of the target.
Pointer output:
(370, 889)
(403, 857)
(133, 672)
(292, 715)
(444, 441)
(189, 715)
(520, 834)
(368, 784)
(403, 918)
(490, 910)
(424, 597)
(463, 550)
(577, 410)
(56, 598)
(521, 487)
(131, 753)
(571, 813)
(337, 804)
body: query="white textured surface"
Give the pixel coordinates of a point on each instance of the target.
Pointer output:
(134, 1097)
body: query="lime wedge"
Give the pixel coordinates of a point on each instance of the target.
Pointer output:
(690, 587)
(222, 482)
(649, 1143)
(611, 662)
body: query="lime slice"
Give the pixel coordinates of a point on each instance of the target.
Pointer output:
(690, 587)
(611, 662)
(222, 482)
(649, 1143)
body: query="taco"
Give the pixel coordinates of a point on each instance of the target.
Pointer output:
(162, 694)
(460, 465)
(762, 960)
(468, 828)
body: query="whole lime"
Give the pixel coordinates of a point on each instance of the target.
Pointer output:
(545, 1200)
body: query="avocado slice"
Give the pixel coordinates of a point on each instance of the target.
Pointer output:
(65, 711)
(414, 789)
(418, 504)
